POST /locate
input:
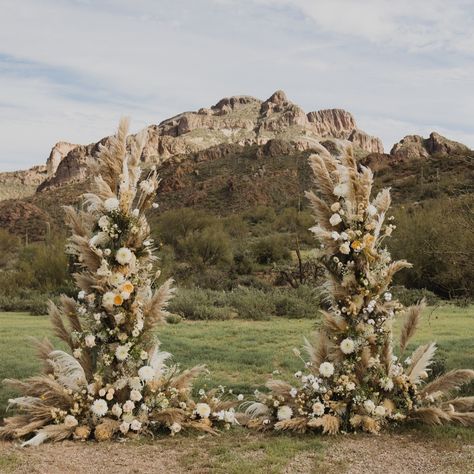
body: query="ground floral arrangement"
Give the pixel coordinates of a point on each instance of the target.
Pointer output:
(115, 382)
(352, 380)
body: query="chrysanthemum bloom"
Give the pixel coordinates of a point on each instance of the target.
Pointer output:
(284, 413)
(99, 407)
(124, 256)
(347, 346)
(326, 369)
(203, 410)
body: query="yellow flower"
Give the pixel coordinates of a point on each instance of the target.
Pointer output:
(357, 245)
(118, 300)
(127, 287)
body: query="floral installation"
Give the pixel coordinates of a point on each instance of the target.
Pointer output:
(115, 382)
(352, 380)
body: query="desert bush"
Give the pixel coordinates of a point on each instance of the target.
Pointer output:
(410, 296)
(302, 302)
(251, 303)
(271, 249)
(260, 215)
(9, 245)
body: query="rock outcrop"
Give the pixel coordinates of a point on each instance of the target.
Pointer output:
(238, 120)
(20, 184)
(417, 147)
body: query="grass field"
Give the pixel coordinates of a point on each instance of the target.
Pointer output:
(241, 355)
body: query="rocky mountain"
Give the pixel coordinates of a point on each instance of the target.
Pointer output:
(239, 120)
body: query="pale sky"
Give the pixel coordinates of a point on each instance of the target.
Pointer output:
(69, 69)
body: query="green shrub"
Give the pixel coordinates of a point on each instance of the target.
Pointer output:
(271, 249)
(302, 302)
(251, 303)
(410, 296)
(210, 246)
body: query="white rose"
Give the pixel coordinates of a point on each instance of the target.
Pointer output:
(146, 373)
(203, 410)
(117, 410)
(108, 299)
(369, 406)
(135, 425)
(284, 413)
(335, 207)
(128, 406)
(293, 392)
(89, 340)
(380, 411)
(111, 204)
(124, 427)
(135, 396)
(101, 392)
(347, 346)
(81, 295)
(335, 219)
(345, 248)
(124, 256)
(99, 407)
(70, 421)
(326, 369)
(134, 383)
(318, 409)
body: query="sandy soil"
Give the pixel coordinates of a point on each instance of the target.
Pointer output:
(387, 454)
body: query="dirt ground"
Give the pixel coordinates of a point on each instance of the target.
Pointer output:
(385, 454)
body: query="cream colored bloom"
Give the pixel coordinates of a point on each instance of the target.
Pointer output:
(146, 373)
(121, 353)
(335, 219)
(326, 369)
(318, 409)
(284, 413)
(335, 207)
(117, 410)
(99, 407)
(70, 421)
(111, 204)
(135, 425)
(344, 248)
(347, 346)
(124, 427)
(128, 406)
(135, 396)
(203, 410)
(89, 340)
(124, 256)
(380, 410)
(369, 406)
(108, 299)
(116, 279)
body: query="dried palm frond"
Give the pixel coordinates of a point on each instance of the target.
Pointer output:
(321, 210)
(318, 352)
(154, 309)
(460, 404)
(299, 425)
(329, 423)
(169, 416)
(157, 360)
(69, 308)
(43, 349)
(58, 324)
(68, 370)
(383, 200)
(322, 175)
(278, 387)
(464, 419)
(448, 382)
(420, 361)
(257, 409)
(412, 318)
(387, 352)
(430, 416)
(183, 381)
(334, 323)
(50, 432)
(201, 425)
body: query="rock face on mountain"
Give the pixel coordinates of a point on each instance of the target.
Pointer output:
(238, 120)
(416, 147)
(19, 184)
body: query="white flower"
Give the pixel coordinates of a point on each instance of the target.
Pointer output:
(124, 256)
(293, 392)
(347, 346)
(146, 373)
(369, 406)
(107, 252)
(335, 235)
(136, 212)
(326, 369)
(99, 407)
(371, 210)
(134, 383)
(135, 396)
(119, 318)
(335, 207)
(124, 427)
(144, 355)
(91, 389)
(335, 219)
(315, 385)
(147, 187)
(111, 204)
(387, 296)
(77, 353)
(350, 386)
(101, 392)
(121, 353)
(408, 361)
(229, 416)
(203, 410)
(116, 279)
(155, 205)
(340, 190)
(89, 340)
(117, 410)
(318, 409)
(135, 332)
(70, 421)
(135, 425)
(345, 248)
(81, 295)
(175, 428)
(240, 397)
(386, 383)
(380, 411)
(284, 413)
(108, 299)
(104, 222)
(344, 236)
(128, 406)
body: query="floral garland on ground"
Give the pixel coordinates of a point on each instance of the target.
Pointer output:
(352, 380)
(116, 382)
